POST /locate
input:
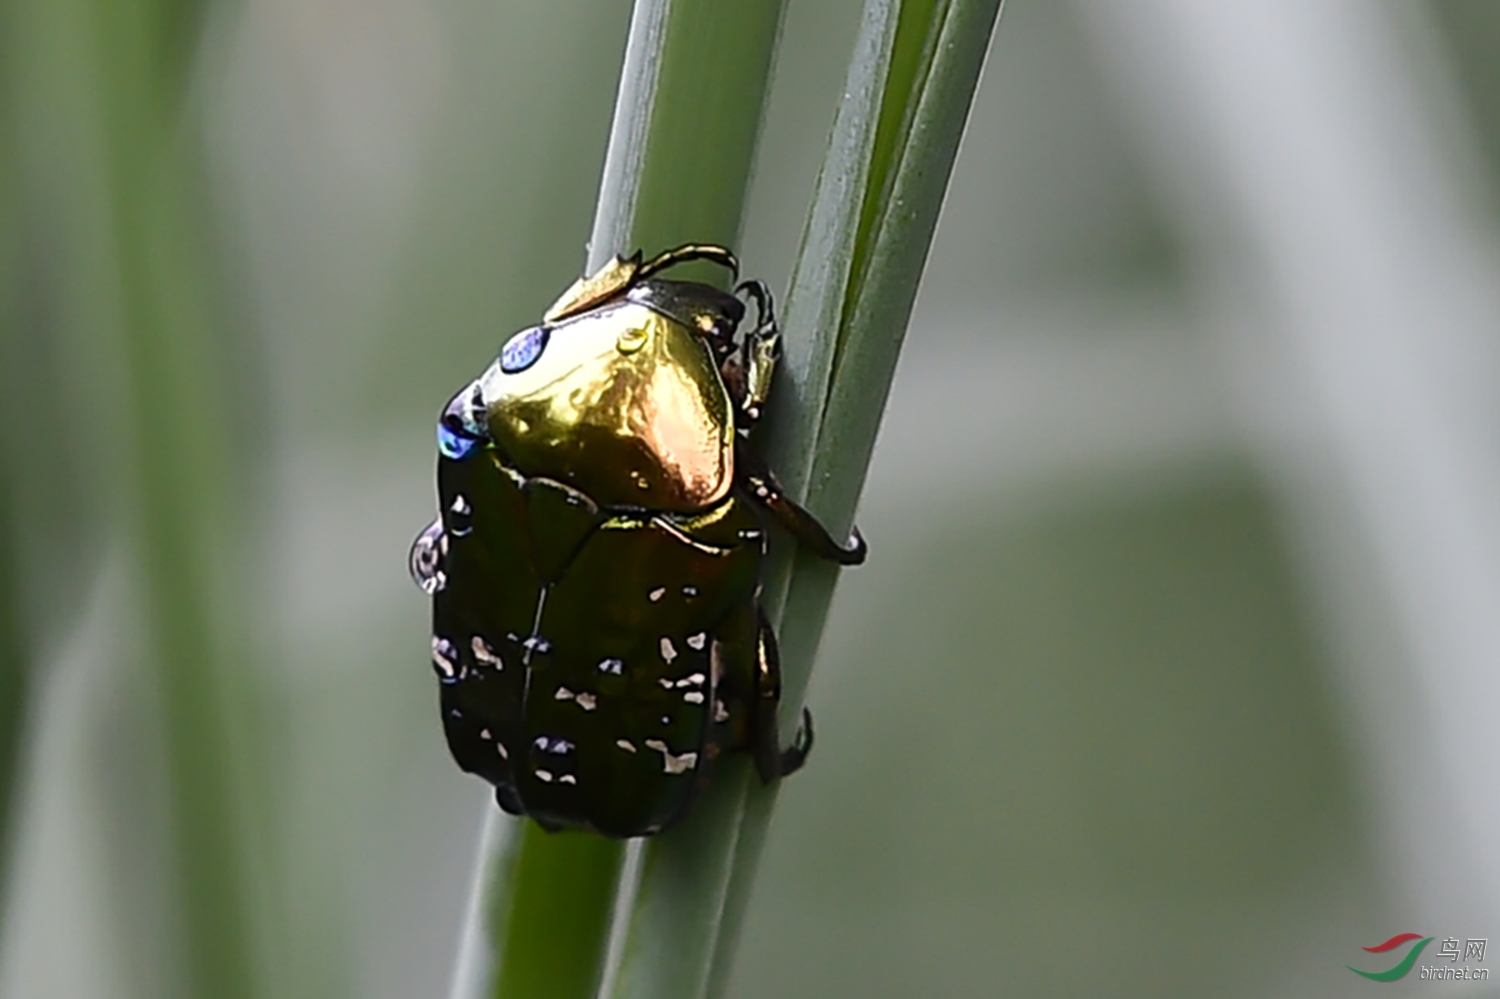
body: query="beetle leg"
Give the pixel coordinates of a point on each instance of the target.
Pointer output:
(765, 741)
(762, 486)
(759, 351)
(771, 761)
(793, 756)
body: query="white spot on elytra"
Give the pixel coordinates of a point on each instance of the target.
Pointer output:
(567, 779)
(673, 763)
(484, 733)
(563, 694)
(693, 697)
(500, 748)
(697, 641)
(484, 654)
(666, 682)
(626, 745)
(657, 594)
(586, 701)
(611, 666)
(668, 650)
(696, 680)
(721, 713)
(545, 776)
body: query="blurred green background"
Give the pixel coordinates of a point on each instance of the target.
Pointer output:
(1092, 719)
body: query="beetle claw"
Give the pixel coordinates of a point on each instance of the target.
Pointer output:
(855, 550)
(507, 798)
(795, 755)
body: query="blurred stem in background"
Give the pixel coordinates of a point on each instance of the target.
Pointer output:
(145, 292)
(183, 451)
(13, 673)
(688, 115)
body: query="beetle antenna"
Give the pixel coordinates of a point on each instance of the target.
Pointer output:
(692, 251)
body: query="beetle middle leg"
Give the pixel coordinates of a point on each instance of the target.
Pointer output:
(761, 484)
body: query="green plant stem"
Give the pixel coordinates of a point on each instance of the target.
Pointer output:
(681, 148)
(686, 126)
(910, 84)
(555, 916)
(694, 172)
(935, 61)
(677, 926)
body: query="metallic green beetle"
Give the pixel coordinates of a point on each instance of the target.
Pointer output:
(595, 567)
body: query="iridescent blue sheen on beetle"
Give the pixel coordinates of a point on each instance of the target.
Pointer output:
(452, 444)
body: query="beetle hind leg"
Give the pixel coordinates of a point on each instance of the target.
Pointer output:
(771, 761)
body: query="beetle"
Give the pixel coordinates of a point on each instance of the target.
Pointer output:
(595, 566)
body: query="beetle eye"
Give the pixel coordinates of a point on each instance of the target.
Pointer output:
(521, 351)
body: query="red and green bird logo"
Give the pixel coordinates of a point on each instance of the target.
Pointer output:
(1403, 966)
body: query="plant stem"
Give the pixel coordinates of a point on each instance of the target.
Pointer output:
(555, 915)
(681, 148)
(935, 61)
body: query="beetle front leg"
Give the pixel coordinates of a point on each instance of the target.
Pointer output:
(759, 352)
